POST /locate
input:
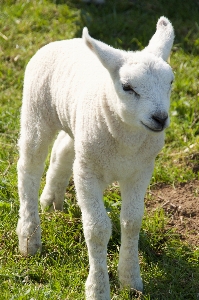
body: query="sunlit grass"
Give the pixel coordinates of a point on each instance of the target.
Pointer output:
(168, 266)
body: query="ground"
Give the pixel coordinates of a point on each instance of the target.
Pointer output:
(181, 204)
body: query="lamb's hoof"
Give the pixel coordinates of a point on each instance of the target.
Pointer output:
(27, 248)
(47, 208)
(97, 296)
(52, 207)
(48, 204)
(135, 294)
(31, 244)
(136, 286)
(97, 290)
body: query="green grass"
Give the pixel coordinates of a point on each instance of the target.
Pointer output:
(169, 267)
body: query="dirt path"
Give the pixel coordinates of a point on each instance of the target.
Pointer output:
(181, 204)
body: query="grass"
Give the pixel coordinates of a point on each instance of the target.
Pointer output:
(169, 266)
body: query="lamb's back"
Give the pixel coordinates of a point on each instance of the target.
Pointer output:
(62, 75)
(67, 60)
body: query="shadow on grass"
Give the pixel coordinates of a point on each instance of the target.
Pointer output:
(174, 268)
(129, 24)
(170, 268)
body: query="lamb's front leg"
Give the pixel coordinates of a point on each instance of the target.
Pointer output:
(131, 218)
(97, 231)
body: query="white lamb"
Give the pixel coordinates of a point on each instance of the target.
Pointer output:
(111, 107)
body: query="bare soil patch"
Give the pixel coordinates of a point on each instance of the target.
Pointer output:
(181, 204)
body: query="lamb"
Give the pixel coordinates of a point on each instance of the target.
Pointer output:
(110, 108)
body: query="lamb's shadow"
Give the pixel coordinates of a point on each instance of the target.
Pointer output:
(169, 268)
(173, 266)
(131, 23)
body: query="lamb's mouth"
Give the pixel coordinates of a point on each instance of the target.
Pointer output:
(153, 129)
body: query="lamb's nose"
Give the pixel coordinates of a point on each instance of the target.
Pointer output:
(161, 120)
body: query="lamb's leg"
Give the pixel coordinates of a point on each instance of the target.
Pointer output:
(59, 172)
(131, 218)
(34, 141)
(97, 231)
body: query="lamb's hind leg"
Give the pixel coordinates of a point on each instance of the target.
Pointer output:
(59, 172)
(34, 141)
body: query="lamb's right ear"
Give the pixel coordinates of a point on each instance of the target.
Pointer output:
(111, 58)
(162, 41)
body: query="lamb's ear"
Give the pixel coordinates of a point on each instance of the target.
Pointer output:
(162, 41)
(111, 58)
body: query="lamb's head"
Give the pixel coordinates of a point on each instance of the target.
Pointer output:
(143, 90)
(142, 80)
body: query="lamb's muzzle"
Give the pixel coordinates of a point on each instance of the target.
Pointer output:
(160, 121)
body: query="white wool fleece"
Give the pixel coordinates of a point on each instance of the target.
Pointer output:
(111, 108)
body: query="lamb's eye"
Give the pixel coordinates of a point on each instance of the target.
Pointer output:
(127, 88)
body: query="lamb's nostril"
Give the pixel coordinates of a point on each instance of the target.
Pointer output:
(160, 120)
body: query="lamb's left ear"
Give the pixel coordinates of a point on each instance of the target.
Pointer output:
(162, 41)
(111, 58)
